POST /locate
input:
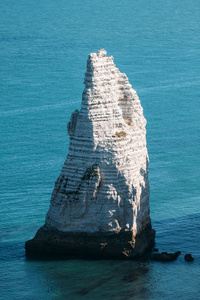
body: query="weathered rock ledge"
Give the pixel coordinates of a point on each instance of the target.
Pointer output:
(52, 243)
(100, 203)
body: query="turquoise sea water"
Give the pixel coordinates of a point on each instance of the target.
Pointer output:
(43, 52)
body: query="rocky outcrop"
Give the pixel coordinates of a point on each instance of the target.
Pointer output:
(164, 256)
(188, 257)
(100, 203)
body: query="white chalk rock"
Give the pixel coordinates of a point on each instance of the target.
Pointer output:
(103, 186)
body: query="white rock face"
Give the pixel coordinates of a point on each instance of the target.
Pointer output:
(103, 185)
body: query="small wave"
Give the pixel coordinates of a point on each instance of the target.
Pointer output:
(27, 110)
(170, 86)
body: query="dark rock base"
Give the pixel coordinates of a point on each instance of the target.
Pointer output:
(52, 243)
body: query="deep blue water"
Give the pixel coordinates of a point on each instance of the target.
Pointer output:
(43, 52)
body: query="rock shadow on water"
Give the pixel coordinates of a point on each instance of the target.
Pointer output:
(86, 279)
(137, 293)
(93, 286)
(135, 274)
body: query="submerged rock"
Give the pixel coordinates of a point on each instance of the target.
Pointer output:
(100, 203)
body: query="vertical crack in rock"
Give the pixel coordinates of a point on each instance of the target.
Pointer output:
(102, 194)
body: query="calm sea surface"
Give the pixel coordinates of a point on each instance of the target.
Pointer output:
(43, 52)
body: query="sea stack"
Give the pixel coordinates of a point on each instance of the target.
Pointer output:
(100, 204)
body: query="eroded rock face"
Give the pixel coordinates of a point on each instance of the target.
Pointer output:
(103, 187)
